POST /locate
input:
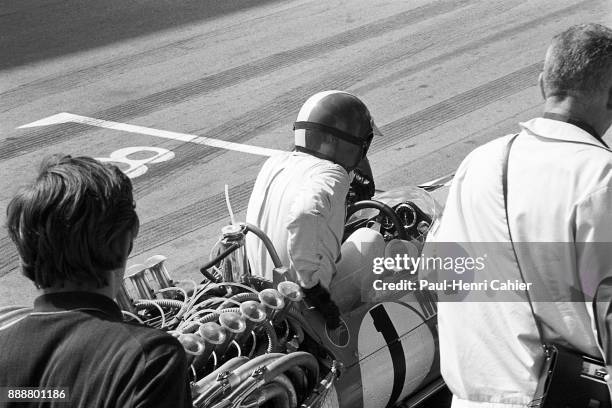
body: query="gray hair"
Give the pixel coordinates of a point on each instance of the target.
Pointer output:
(579, 60)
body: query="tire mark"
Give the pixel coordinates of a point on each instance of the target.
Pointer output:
(282, 110)
(449, 152)
(205, 212)
(273, 114)
(33, 140)
(212, 209)
(459, 105)
(471, 46)
(68, 80)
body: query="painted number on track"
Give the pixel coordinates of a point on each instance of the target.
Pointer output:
(137, 167)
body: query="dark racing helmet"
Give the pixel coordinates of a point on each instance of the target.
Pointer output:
(336, 126)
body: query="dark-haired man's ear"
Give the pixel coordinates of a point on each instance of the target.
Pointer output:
(541, 83)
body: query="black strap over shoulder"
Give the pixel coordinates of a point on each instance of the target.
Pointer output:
(562, 368)
(505, 192)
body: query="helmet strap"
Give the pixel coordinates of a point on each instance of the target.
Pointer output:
(363, 143)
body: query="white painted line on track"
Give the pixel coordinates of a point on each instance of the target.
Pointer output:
(66, 117)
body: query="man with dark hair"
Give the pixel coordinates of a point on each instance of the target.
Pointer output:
(557, 199)
(74, 227)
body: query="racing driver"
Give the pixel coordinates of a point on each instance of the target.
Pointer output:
(299, 197)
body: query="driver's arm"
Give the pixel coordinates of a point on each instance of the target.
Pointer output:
(315, 226)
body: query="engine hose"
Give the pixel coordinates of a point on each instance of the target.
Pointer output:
(132, 316)
(298, 358)
(185, 302)
(192, 283)
(238, 285)
(238, 348)
(239, 298)
(191, 309)
(267, 374)
(190, 328)
(196, 315)
(192, 323)
(254, 346)
(182, 291)
(283, 380)
(233, 379)
(299, 380)
(226, 302)
(147, 304)
(267, 243)
(229, 365)
(273, 344)
(170, 303)
(219, 257)
(203, 292)
(274, 392)
(210, 303)
(193, 326)
(211, 317)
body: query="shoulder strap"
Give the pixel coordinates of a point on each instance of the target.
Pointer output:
(505, 190)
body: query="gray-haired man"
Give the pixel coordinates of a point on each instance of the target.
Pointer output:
(559, 182)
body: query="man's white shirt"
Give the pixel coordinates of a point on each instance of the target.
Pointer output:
(299, 201)
(559, 191)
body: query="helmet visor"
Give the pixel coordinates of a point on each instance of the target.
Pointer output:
(376, 132)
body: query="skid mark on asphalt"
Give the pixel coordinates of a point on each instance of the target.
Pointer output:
(159, 100)
(205, 212)
(500, 35)
(180, 222)
(282, 110)
(395, 132)
(71, 79)
(450, 109)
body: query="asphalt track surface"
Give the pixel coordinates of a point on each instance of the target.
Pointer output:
(440, 77)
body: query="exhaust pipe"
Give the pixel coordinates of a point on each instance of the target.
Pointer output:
(235, 325)
(193, 344)
(291, 291)
(272, 301)
(213, 336)
(292, 294)
(254, 314)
